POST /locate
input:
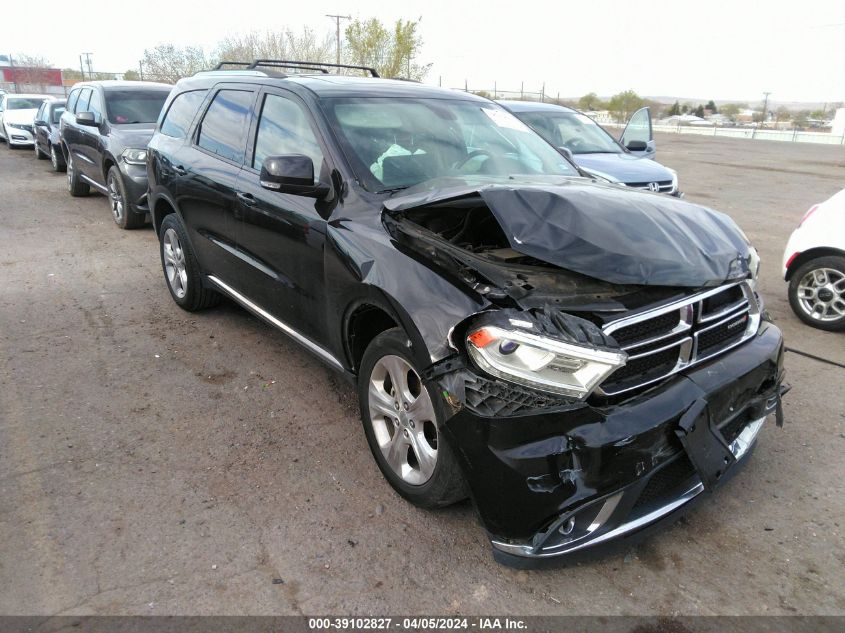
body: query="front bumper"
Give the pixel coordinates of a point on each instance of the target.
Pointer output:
(549, 484)
(18, 136)
(135, 184)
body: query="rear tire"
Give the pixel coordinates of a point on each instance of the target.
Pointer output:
(181, 270)
(403, 425)
(121, 210)
(75, 186)
(56, 158)
(817, 293)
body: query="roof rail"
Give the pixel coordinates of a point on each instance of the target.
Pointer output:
(285, 63)
(225, 63)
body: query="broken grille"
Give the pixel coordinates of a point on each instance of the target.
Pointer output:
(665, 340)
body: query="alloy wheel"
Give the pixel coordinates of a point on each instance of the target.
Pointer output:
(821, 294)
(403, 419)
(70, 169)
(115, 199)
(175, 268)
(54, 158)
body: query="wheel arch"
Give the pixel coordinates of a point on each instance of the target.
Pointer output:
(368, 316)
(810, 255)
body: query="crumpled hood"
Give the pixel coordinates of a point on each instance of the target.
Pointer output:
(616, 235)
(26, 117)
(624, 167)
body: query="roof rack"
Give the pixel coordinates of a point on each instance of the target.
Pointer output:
(321, 66)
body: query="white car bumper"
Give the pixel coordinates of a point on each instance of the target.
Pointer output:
(18, 136)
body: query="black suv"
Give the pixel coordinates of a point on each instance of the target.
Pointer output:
(579, 359)
(104, 133)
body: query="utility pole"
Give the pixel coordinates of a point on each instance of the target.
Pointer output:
(765, 109)
(88, 63)
(337, 19)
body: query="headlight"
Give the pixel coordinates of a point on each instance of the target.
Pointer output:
(540, 362)
(135, 156)
(19, 126)
(753, 265)
(674, 179)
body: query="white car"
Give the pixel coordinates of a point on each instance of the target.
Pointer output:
(814, 265)
(17, 117)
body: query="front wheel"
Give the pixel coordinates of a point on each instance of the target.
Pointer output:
(402, 418)
(57, 159)
(181, 270)
(121, 211)
(817, 293)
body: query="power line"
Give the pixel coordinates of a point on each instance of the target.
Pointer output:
(337, 19)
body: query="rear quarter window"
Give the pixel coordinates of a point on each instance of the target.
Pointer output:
(181, 113)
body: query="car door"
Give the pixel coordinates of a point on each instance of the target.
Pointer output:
(205, 173)
(41, 131)
(90, 144)
(72, 132)
(638, 137)
(281, 236)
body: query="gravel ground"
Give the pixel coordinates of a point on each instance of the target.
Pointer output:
(159, 462)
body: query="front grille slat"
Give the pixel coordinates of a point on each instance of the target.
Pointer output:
(663, 341)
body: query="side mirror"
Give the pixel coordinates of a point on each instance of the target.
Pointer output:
(637, 146)
(567, 153)
(40, 122)
(87, 118)
(293, 174)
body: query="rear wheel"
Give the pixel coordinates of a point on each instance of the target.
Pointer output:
(56, 159)
(817, 293)
(181, 270)
(75, 186)
(402, 418)
(121, 211)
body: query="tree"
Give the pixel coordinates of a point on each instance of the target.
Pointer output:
(31, 71)
(591, 101)
(305, 46)
(391, 53)
(71, 74)
(169, 63)
(711, 105)
(782, 114)
(675, 110)
(699, 111)
(731, 110)
(131, 75)
(684, 108)
(624, 104)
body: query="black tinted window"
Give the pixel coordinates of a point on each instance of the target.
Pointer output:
(71, 101)
(181, 113)
(135, 106)
(284, 129)
(223, 130)
(82, 104)
(57, 113)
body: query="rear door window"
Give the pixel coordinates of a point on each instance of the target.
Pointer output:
(224, 126)
(181, 113)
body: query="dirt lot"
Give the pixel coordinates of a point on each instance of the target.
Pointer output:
(154, 461)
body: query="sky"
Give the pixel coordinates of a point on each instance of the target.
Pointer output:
(709, 50)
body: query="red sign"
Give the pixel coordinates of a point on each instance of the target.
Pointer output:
(31, 75)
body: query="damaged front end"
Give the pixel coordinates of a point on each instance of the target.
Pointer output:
(613, 377)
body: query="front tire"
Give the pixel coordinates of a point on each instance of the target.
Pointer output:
(75, 186)
(56, 159)
(817, 293)
(121, 210)
(403, 419)
(181, 270)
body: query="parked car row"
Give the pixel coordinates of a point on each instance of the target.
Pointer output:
(581, 359)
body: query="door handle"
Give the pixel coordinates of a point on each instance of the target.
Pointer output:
(246, 198)
(180, 171)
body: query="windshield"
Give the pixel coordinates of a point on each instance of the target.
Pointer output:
(20, 103)
(397, 143)
(575, 131)
(135, 106)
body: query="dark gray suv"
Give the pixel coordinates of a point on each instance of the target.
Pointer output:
(104, 133)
